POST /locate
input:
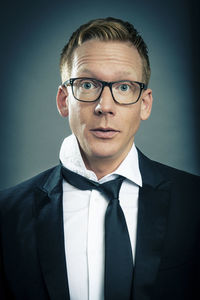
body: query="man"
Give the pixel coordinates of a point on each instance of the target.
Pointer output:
(59, 237)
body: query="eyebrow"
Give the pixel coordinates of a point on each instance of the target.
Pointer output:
(94, 75)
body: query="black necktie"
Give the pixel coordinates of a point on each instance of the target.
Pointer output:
(118, 254)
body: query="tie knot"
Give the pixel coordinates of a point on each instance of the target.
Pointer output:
(111, 188)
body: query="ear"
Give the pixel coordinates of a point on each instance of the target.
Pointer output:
(146, 104)
(62, 101)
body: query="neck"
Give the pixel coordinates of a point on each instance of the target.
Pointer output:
(102, 166)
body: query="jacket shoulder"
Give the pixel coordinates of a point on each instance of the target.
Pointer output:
(174, 173)
(27, 186)
(182, 182)
(154, 172)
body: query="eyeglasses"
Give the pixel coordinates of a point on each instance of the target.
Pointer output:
(89, 89)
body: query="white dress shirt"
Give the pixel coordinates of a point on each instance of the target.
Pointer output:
(83, 214)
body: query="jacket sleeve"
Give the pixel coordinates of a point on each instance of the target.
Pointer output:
(5, 294)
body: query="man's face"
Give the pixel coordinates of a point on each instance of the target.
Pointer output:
(105, 129)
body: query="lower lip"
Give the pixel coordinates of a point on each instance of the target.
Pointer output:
(105, 134)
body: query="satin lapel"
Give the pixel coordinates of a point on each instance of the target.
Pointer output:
(50, 236)
(153, 208)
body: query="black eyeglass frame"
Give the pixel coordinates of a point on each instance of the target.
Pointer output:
(70, 82)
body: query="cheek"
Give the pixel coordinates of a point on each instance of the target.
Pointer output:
(74, 115)
(77, 116)
(132, 119)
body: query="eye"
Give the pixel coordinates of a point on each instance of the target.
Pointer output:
(124, 87)
(87, 85)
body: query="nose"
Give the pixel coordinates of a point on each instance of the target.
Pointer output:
(106, 103)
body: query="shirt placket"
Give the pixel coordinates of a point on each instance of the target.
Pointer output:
(95, 245)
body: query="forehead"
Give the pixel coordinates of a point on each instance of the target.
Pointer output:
(107, 59)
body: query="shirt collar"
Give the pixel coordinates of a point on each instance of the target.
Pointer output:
(72, 160)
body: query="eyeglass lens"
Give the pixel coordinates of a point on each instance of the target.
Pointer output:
(90, 89)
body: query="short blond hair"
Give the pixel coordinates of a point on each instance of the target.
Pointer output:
(107, 29)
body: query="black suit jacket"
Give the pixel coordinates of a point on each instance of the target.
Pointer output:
(167, 261)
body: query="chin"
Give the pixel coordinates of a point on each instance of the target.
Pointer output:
(103, 153)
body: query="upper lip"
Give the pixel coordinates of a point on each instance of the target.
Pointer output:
(104, 129)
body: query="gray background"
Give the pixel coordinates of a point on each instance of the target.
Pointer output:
(32, 36)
